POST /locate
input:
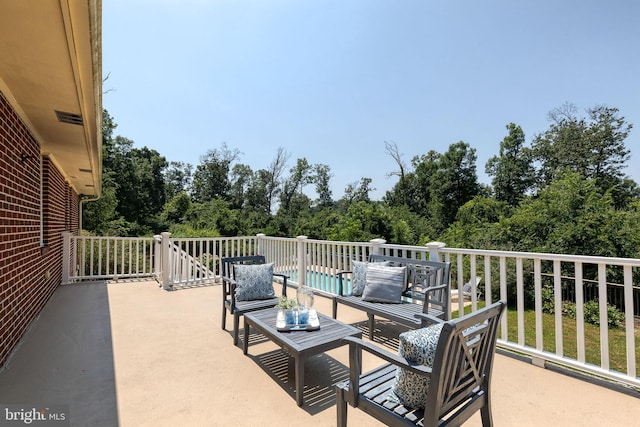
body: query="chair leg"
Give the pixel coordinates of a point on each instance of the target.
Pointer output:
(224, 316)
(341, 406)
(485, 412)
(335, 308)
(236, 327)
(372, 325)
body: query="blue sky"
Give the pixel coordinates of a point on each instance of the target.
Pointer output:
(332, 80)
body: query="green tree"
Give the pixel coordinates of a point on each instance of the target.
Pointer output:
(362, 222)
(177, 179)
(570, 216)
(357, 192)
(215, 217)
(594, 147)
(292, 192)
(101, 217)
(134, 178)
(512, 169)
(211, 178)
(149, 169)
(322, 180)
(257, 197)
(175, 210)
(449, 181)
(241, 176)
(476, 223)
(420, 184)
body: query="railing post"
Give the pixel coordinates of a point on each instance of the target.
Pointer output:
(375, 245)
(165, 267)
(156, 267)
(434, 250)
(66, 257)
(259, 242)
(302, 260)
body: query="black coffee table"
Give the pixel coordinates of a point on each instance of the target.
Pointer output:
(299, 344)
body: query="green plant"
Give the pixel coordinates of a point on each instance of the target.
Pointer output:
(569, 309)
(548, 305)
(286, 303)
(592, 313)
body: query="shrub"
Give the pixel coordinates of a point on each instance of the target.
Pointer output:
(569, 309)
(548, 305)
(592, 313)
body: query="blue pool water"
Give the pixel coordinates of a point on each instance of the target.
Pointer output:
(322, 281)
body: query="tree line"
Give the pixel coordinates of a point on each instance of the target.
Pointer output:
(563, 192)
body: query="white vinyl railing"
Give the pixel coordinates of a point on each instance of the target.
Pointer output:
(536, 286)
(196, 261)
(518, 277)
(99, 258)
(554, 340)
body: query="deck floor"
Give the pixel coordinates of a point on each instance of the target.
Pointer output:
(131, 354)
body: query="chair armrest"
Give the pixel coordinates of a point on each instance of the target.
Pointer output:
(229, 290)
(228, 284)
(340, 287)
(428, 317)
(387, 355)
(435, 288)
(284, 282)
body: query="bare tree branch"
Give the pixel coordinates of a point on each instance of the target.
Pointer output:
(391, 148)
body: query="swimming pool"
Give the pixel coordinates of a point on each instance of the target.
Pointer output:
(321, 281)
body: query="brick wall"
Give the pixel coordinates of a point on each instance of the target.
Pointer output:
(29, 273)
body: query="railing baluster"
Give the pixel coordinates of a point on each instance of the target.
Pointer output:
(487, 280)
(557, 296)
(503, 296)
(629, 322)
(604, 318)
(580, 311)
(520, 300)
(537, 284)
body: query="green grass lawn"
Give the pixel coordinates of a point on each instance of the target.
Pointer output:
(617, 343)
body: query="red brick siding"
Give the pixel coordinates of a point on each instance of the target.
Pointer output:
(28, 274)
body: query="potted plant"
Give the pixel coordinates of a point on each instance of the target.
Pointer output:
(287, 310)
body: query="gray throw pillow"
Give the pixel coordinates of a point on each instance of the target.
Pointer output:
(254, 281)
(359, 276)
(384, 283)
(419, 347)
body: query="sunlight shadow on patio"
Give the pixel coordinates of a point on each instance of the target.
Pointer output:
(322, 372)
(67, 358)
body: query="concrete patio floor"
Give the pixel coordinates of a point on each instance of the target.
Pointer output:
(130, 354)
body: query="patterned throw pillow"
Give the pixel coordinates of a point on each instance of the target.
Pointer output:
(359, 276)
(417, 346)
(384, 283)
(254, 281)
